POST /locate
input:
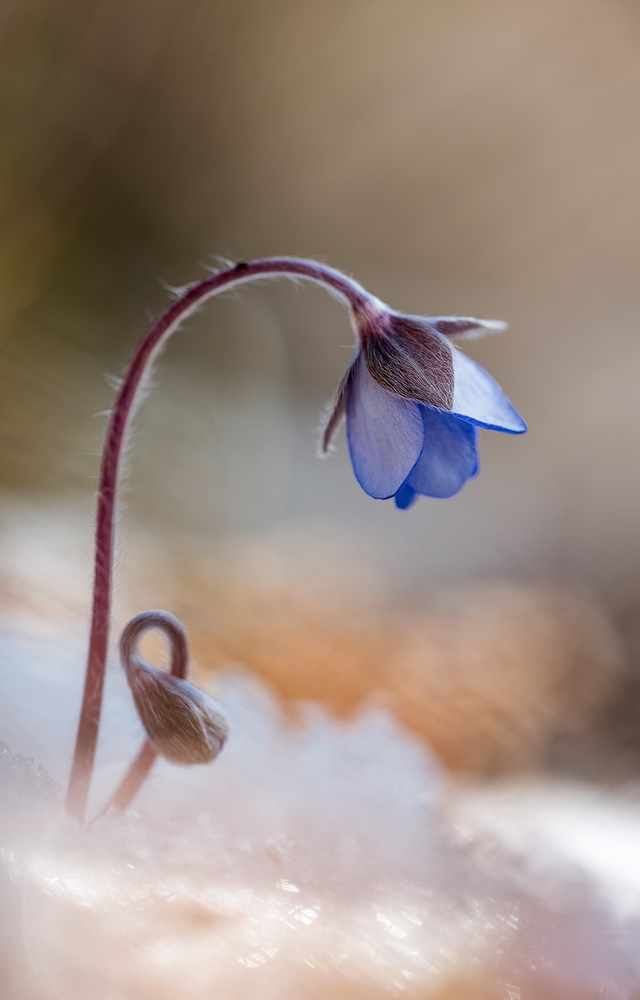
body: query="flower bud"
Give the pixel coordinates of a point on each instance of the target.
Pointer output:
(183, 723)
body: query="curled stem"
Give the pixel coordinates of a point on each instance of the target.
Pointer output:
(124, 407)
(134, 665)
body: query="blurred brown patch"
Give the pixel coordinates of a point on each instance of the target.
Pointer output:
(488, 676)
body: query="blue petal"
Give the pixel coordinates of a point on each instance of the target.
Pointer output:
(478, 398)
(405, 497)
(385, 434)
(449, 457)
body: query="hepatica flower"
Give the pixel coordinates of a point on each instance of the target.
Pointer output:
(413, 404)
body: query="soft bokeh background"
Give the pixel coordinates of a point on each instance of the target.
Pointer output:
(465, 158)
(472, 158)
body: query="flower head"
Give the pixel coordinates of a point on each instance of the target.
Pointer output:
(414, 402)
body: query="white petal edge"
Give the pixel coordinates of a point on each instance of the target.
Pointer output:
(465, 327)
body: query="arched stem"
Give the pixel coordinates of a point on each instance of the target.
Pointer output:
(157, 335)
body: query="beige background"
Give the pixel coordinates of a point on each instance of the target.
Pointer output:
(456, 158)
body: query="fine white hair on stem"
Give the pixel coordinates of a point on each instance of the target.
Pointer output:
(175, 291)
(113, 381)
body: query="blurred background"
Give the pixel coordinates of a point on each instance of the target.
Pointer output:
(472, 158)
(469, 158)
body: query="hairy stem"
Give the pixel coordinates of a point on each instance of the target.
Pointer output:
(154, 339)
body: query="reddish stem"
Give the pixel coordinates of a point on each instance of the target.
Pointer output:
(156, 336)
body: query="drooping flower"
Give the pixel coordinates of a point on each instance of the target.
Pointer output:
(414, 402)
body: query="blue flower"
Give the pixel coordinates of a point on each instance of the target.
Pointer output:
(414, 402)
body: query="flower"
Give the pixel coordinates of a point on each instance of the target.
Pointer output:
(414, 402)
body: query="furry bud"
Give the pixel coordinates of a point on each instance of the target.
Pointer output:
(183, 724)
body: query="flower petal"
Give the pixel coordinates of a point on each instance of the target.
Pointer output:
(384, 431)
(336, 410)
(449, 457)
(465, 327)
(409, 359)
(478, 398)
(405, 497)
